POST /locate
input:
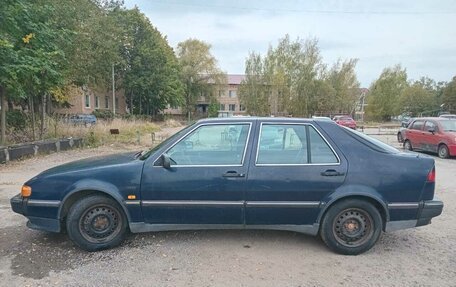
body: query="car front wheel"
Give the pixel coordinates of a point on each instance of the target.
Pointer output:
(96, 222)
(351, 227)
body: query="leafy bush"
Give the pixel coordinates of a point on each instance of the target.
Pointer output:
(16, 119)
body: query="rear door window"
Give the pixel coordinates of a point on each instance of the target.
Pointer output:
(430, 126)
(293, 144)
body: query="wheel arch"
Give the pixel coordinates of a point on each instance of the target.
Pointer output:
(375, 199)
(75, 195)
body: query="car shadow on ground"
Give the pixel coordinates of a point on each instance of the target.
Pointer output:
(34, 254)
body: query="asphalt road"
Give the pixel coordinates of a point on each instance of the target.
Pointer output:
(424, 256)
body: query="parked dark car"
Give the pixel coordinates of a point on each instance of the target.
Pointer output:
(83, 119)
(303, 175)
(448, 116)
(345, 121)
(437, 135)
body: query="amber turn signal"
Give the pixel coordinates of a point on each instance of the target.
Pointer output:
(26, 191)
(131, 196)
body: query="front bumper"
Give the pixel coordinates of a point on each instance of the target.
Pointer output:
(18, 204)
(21, 205)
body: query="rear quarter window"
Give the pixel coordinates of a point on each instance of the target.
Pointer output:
(371, 142)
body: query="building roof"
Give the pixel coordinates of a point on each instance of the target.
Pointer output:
(235, 79)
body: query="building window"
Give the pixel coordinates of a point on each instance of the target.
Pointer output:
(87, 101)
(241, 108)
(106, 102)
(232, 94)
(232, 107)
(222, 107)
(97, 102)
(221, 93)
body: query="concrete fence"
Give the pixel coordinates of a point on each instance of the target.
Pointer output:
(18, 151)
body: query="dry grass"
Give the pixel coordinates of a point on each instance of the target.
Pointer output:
(99, 133)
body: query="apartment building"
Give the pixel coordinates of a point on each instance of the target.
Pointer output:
(84, 100)
(227, 97)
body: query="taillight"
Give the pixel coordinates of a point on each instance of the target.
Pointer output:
(431, 175)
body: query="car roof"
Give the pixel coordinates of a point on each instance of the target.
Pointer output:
(433, 118)
(261, 119)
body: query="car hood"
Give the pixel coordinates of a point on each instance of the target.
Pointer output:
(92, 163)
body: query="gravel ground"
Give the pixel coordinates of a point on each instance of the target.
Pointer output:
(423, 256)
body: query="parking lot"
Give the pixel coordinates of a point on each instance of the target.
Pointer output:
(424, 256)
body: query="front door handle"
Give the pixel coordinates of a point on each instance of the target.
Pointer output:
(233, 173)
(332, 172)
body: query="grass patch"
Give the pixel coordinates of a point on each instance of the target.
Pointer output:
(99, 133)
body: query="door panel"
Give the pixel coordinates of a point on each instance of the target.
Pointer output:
(206, 180)
(430, 141)
(289, 191)
(415, 134)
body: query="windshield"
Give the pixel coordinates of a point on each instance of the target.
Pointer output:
(375, 143)
(145, 154)
(449, 126)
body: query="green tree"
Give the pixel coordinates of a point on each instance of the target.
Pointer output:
(200, 73)
(384, 93)
(449, 96)
(342, 78)
(151, 71)
(254, 91)
(293, 79)
(418, 99)
(34, 60)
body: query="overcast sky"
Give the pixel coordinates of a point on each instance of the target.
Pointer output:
(419, 34)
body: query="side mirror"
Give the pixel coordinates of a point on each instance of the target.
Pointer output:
(431, 130)
(166, 161)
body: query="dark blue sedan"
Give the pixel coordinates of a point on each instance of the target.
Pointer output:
(303, 175)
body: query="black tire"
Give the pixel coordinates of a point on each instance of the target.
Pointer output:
(399, 137)
(96, 222)
(443, 151)
(408, 145)
(351, 227)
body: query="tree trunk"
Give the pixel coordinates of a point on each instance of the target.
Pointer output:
(3, 104)
(131, 104)
(43, 116)
(32, 112)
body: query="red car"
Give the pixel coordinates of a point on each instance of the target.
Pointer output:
(437, 135)
(345, 121)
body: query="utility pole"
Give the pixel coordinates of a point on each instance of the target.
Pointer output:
(113, 91)
(3, 104)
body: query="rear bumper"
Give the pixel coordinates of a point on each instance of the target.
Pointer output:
(20, 205)
(427, 210)
(430, 209)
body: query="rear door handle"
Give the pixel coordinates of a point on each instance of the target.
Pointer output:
(233, 173)
(332, 172)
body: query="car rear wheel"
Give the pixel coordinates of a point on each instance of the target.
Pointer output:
(96, 222)
(408, 145)
(399, 137)
(443, 151)
(351, 227)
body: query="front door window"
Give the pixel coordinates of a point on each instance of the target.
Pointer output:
(222, 144)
